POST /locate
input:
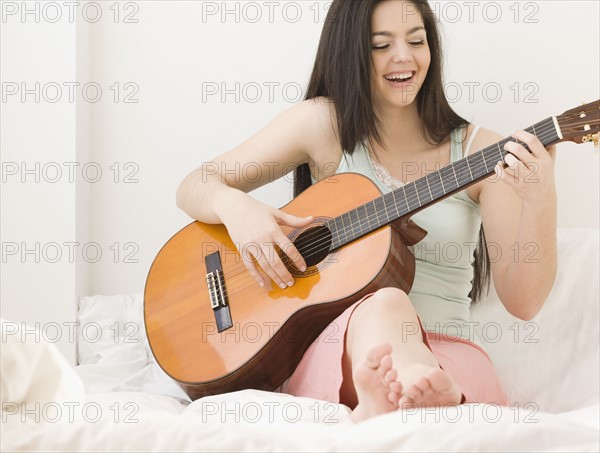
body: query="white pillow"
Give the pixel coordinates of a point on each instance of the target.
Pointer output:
(553, 360)
(113, 351)
(33, 371)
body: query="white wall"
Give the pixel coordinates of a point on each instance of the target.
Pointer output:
(150, 130)
(39, 212)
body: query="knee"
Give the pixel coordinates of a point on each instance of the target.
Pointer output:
(387, 301)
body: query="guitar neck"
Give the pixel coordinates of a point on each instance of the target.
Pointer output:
(417, 195)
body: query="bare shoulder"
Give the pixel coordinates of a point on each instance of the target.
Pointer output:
(293, 137)
(484, 138)
(323, 143)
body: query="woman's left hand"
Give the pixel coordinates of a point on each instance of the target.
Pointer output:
(531, 175)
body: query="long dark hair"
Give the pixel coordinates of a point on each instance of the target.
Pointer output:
(342, 74)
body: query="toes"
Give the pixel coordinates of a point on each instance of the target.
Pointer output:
(440, 381)
(413, 392)
(377, 353)
(390, 376)
(406, 402)
(385, 365)
(437, 387)
(396, 387)
(424, 385)
(393, 398)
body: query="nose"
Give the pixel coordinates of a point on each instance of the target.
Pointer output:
(402, 54)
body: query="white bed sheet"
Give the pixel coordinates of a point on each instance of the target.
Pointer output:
(259, 421)
(129, 404)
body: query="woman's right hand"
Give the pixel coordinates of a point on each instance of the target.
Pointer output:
(254, 228)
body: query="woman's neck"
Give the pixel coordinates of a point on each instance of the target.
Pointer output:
(401, 128)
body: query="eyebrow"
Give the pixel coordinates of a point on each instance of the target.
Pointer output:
(389, 34)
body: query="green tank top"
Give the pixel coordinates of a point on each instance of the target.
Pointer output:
(444, 258)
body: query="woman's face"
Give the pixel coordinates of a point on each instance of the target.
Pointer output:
(400, 53)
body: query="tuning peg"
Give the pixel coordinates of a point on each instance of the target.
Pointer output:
(591, 138)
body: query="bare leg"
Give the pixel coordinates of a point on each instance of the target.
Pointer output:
(389, 317)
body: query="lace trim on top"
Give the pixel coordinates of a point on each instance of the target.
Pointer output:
(393, 183)
(383, 174)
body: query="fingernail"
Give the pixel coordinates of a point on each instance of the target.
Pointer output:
(282, 285)
(261, 284)
(290, 283)
(303, 268)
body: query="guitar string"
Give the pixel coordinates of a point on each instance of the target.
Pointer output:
(411, 198)
(232, 277)
(318, 245)
(549, 128)
(318, 242)
(543, 134)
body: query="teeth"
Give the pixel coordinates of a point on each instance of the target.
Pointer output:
(404, 76)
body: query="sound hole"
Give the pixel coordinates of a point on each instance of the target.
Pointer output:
(314, 245)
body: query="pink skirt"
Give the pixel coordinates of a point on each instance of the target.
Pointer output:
(319, 373)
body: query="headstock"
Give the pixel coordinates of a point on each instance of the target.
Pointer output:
(581, 124)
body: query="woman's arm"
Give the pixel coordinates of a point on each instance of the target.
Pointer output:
(273, 151)
(518, 209)
(216, 191)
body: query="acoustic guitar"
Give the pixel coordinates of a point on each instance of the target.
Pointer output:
(213, 329)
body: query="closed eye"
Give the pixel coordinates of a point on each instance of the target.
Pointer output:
(381, 47)
(417, 43)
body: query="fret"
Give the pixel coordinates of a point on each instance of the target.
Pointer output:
(447, 175)
(469, 168)
(461, 175)
(547, 131)
(533, 131)
(391, 196)
(377, 209)
(339, 228)
(372, 215)
(412, 196)
(455, 177)
(335, 237)
(379, 206)
(343, 228)
(476, 164)
(500, 151)
(490, 156)
(440, 190)
(347, 226)
(424, 192)
(439, 175)
(387, 214)
(363, 217)
(487, 170)
(355, 221)
(416, 191)
(428, 187)
(405, 198)
(350, 234)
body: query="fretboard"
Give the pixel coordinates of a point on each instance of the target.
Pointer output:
(417, 195)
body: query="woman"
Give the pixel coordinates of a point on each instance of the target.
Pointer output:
(376, 106)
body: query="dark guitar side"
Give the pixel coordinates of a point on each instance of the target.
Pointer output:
(272, 327)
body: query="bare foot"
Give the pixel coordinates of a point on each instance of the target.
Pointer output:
(375, 383)
(431, 387)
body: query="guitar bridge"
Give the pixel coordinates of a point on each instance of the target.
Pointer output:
(217, 291)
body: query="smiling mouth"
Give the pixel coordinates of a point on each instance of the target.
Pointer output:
(400, 77)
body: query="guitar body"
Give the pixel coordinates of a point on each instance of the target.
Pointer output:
(271, 327)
